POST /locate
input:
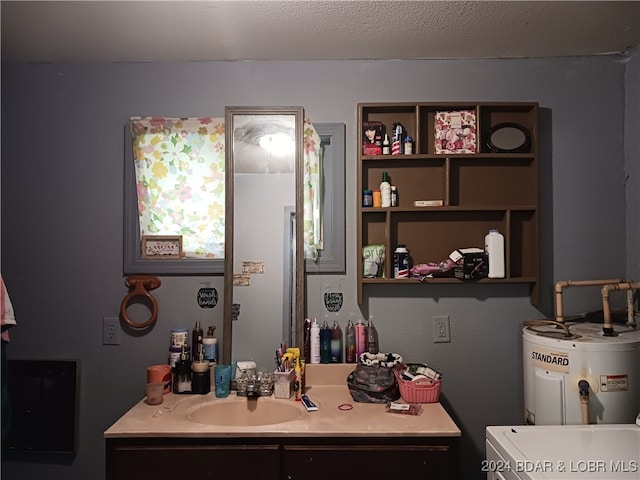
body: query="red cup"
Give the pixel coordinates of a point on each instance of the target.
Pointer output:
(160, 374)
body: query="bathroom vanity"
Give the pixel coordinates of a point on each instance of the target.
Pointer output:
(269, 438)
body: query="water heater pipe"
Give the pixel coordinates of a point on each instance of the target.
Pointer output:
(560, 286)
(583, 390)
(607, 328)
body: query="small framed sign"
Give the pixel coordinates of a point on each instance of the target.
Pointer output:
(161, 246)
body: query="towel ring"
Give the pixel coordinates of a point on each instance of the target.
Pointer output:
(139, 286)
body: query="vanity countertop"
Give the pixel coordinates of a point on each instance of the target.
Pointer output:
(326, 386)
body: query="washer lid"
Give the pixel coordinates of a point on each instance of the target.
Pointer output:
(570, 451)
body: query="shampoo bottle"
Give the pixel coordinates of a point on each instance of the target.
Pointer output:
(372, 338)
(385, 190)
(336, 343)
(325, 343)
(350, 343)
(314, 341)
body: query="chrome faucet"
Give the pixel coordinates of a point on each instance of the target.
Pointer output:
(255, 386)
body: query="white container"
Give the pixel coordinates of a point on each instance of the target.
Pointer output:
(314, 342)
(494, 248)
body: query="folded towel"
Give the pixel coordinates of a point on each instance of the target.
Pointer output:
(7, 317)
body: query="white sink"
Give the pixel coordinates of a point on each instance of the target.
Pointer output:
(239, 411)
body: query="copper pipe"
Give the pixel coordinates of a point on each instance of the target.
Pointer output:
(560, 286)
(606, 308)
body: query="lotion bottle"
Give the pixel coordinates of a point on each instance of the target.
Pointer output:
(314, 341)
(385, 190)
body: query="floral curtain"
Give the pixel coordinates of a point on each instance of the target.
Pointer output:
(180, 176)
(312, 191)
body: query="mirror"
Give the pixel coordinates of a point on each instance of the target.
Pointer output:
(509, 138)
(264, 256)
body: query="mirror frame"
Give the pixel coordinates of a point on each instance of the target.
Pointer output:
(227, 326)
(524, 147)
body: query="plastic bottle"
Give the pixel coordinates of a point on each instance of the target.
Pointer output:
(350, 343)
(394, 196)
(210, 346)
(306, 353)
(398, 139)
(494, 248)
(196, 339)
(377, 198)
(201, 377)
(314, 341)
(336, 343)
(372, 338)
(182, 373)
(325, 343)
(401, 262)
(385, 190)
(361, 338)
(408, 145)
(386, 146)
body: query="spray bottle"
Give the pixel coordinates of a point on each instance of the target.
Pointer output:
(350, 343)
(314, 342)
(325, 343)
(361, 338)
(336, 343)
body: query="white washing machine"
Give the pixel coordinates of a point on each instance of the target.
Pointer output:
(606, 452)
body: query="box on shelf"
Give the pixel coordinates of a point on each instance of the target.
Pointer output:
(470, 263)
(455, 131)
(372, 137)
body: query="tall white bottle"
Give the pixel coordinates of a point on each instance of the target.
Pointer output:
(494, 248)
(314, 342)
(385, 190)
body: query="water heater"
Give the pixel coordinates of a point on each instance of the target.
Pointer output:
(555, 365)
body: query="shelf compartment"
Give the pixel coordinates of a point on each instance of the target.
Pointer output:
(523, 258)
(388, 115)
(415, 180)
(432, 236)
(492, 115)
(427, 123)
(493, 181)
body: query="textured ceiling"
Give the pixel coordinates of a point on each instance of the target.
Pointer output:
(177, 31)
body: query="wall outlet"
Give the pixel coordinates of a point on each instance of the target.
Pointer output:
(441, 332)
(110, 331)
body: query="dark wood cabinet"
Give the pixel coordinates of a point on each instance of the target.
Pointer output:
(307, 458)
(488, 187)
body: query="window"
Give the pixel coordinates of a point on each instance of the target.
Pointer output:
(174, 185)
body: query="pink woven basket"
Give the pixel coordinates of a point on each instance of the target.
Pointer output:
(420, 391)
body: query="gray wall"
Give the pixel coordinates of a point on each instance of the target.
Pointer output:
(62, 202)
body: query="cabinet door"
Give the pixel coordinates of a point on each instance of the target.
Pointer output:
(170, 462)
(366, 461)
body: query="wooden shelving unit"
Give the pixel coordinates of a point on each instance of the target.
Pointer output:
(479, 191)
